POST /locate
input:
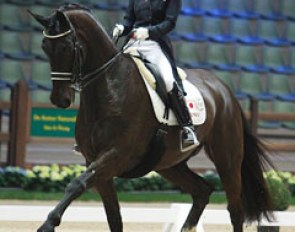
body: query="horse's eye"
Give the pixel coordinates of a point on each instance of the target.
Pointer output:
(65, 47)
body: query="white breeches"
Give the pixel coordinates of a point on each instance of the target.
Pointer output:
(152, 52)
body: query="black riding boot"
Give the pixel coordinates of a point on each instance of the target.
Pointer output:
(178, 105)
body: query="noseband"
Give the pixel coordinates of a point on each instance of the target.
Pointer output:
(78, 81)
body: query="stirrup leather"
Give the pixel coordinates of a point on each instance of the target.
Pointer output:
(195, 140)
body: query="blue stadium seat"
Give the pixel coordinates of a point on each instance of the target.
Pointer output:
(40, 75)
(277, 33)
(51, 3)
(285, 107)
(232, 79)
(280, 85)
(11, 71)
(268, 107)
(288, 8)
(193, 51)
(15, 45)
(196, 4)
(275, 10)
(109, 14)
(192, 21)
(236, 6)
(21, 3)
(192, 12)
(250, 55)
(261, 7)
(39, 81)
(291, 31)
(256, 85)
(109, 6)
(274, 55)
(35, 46)
(211, 25)
(14, 17)
(280, 58)
(3, 84)
(209, 4)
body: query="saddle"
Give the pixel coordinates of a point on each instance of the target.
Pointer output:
(156, 87)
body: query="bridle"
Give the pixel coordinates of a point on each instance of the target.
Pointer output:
(78, 81)
(75, 76)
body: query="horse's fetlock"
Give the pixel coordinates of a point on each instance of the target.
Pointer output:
(54, 218)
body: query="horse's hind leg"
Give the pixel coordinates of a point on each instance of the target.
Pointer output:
(73, 191)
(193, 184)
(227, 157)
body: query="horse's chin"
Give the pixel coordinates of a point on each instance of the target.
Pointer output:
(63, 102)
(62, 105)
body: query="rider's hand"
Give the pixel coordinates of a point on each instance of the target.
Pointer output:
(141, 33)
(118, 30)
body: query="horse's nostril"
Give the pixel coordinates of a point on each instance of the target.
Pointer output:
(61, 103)
(65, 103)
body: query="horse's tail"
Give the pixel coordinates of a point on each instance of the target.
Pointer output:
(256, 197)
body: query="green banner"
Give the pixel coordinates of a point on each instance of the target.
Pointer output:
(47, 122)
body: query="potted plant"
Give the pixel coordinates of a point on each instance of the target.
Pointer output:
(280, 195)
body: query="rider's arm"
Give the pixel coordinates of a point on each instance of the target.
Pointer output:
(172, 12)
(129, 18)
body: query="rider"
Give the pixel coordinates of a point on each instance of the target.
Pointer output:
(151, 21)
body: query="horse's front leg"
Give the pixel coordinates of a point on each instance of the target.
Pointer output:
(109, 197)
(99, 168)
(74, 189)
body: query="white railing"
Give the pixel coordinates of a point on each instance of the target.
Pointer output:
(172, 217)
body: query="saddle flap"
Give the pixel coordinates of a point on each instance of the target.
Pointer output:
(194, 99)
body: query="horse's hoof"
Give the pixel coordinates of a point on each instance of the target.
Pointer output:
(46, 228)
(189, 229)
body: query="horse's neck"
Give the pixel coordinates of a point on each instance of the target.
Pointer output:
(104, 97)
(99, 52)
(97, 45)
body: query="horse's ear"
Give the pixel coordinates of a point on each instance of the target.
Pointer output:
(63, 20)
(44, 21)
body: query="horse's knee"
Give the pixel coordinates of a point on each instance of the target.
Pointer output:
(75, 186)
(80, 184)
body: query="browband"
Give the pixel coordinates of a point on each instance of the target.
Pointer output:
(56, 36)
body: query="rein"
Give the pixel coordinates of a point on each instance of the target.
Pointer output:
(79, 82)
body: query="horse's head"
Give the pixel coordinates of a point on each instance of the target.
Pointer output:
(65, 56)
(76, 45)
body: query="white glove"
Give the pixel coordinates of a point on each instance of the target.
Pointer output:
(141, 33)
(118, 30)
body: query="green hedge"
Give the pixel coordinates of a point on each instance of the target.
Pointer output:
(55, 178)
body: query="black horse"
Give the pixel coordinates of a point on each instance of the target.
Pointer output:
(119, 135)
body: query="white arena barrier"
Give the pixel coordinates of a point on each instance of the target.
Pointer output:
(172, 217)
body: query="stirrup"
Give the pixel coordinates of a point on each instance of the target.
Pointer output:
(76, 150)
(195, 141)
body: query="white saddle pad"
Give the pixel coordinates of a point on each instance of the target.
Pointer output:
(194, 99)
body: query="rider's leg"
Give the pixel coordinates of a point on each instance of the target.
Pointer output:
(153, 53)
(179, 107)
